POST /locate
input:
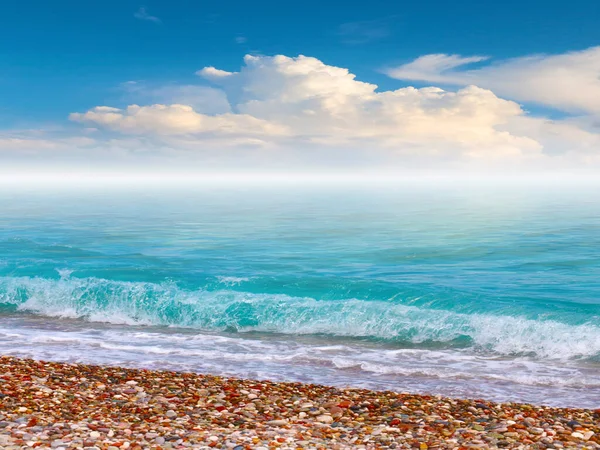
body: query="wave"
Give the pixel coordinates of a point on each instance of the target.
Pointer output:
(166, 304)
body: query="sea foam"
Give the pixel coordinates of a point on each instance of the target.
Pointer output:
(166, 304)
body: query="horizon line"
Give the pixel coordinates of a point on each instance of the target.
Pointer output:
(337, 177)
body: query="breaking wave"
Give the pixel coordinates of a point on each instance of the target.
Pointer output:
(166, 304)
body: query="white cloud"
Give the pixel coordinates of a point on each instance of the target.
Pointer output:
(303, 110)
(142, 14)
(172, 120)
(211, 72)
(324, 104)
(433, 67)
(202, 98)
(303, 102)
(568, 82)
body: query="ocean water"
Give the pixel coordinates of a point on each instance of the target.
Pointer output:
(461, 290)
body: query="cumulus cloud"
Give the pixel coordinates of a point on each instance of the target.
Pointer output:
(298, 111)
(172, 120)
(213, 73)
(569, 82)
(302, 102)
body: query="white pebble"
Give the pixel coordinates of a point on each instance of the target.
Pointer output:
(277, 423)
(324, 418)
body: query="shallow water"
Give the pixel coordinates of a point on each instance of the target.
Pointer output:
(465, 291)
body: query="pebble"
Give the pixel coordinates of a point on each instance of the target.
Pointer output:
(324, 419)
(587, 435)
(277, 423)
(112, 408)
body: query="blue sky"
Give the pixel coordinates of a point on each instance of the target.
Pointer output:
(61, 57)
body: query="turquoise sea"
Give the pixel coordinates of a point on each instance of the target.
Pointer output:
(461, 290)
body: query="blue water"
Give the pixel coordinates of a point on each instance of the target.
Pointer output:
(468, 291)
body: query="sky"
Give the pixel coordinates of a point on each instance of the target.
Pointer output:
(313, 86)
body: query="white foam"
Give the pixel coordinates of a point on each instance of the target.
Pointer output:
(232, 281)
(450, 372)
(135, 303)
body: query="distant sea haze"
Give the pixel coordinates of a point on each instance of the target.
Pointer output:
(467, 291)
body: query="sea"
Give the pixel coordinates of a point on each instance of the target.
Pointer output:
(467, 290)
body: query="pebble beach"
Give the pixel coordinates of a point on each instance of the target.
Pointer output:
(67, 406)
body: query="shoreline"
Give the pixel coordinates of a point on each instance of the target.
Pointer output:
(64, 406)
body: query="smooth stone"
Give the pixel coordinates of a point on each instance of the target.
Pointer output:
(170, 414)
(495, 435)
(277, 423)
(324, 418)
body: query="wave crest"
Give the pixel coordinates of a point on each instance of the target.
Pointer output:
(138, 303)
